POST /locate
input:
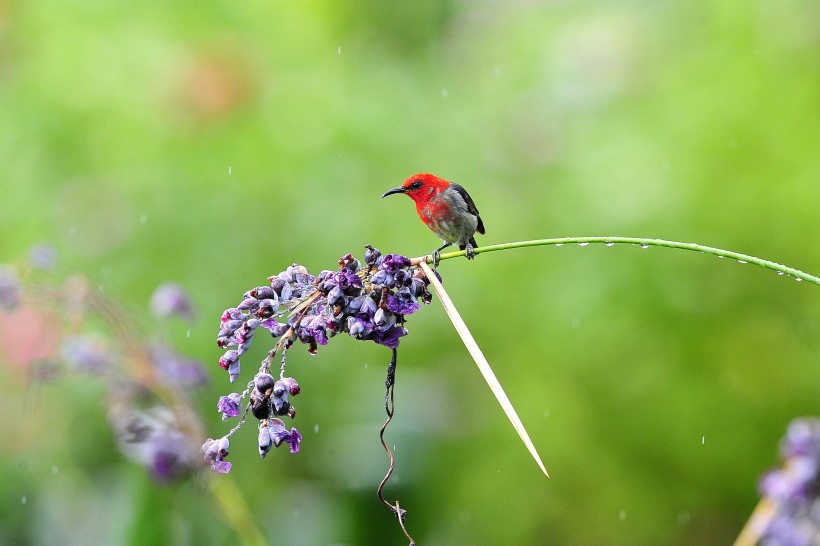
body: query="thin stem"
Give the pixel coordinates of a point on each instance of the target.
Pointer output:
(757, 523)
(389, 408)
(642, 242)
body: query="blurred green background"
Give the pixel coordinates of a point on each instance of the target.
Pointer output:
(213, 143)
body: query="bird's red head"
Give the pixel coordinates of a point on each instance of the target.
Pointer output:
(420, 187)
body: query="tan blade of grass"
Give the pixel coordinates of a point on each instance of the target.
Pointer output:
(481, 362)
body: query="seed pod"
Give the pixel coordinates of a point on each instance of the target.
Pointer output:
(260, 405)
(263, 382)
(264, 292)
(371, 255)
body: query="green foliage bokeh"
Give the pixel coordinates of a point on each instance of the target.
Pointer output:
(214, 143)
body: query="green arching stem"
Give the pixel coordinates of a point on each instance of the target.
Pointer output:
(797, 274)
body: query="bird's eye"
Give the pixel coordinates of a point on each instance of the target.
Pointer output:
(415, 185)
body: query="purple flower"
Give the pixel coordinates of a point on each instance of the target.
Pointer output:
(170, 300)
(346, 279)
(10, 292)
(273, 432)
(402, 303)
(390, 337)
(360, 326)
(317, 329)
(394, 262)
(177, 369)
(244, 335)
(221, 467)
(152, 437)
(229, 405)
(795, 488)
(87, 354)
(215, 452)
(276, 329)
(279, 433)
(368, 307)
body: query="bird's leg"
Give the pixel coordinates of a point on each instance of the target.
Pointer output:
(469, 252)
(437, 254)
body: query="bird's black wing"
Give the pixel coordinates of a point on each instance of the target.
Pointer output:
(470, 205)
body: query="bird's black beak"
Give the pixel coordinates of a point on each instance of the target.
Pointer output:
(394, 190)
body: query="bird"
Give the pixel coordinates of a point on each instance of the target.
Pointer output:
(446, 208)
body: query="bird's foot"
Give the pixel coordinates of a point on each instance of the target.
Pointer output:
(469, 252)
(436, 258)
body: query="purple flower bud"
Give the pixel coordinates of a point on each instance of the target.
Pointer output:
(279, 399)
(244, 334)
(87, 354)
(384, 319)
(231, 325)
(277, 284)
(248, 303)
(229, 405)
(371, 255)
(296, 269)
(383, 278)
(223, 342)
(291, 384)
(264, 293)
(233, 370)
(369, 306)
(268, 307)
(228, 358)
(286, 275)
(802, 438)
(335, 295)
(355, 327)
(169, 300)
(10, 292)
(264, 439)
(354, 305)
(417, 287)
(287, 293)
(231, 314)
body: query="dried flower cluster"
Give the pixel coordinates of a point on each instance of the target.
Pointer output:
(367, 301)
(794, 489)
